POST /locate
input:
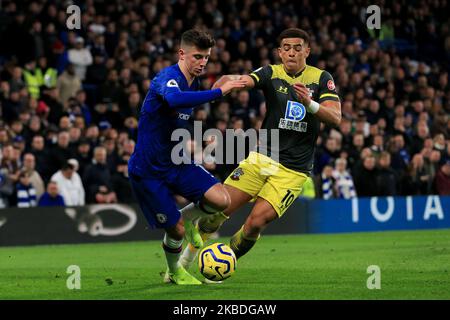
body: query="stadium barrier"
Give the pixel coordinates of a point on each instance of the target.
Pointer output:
(121, 222)
(378, 214)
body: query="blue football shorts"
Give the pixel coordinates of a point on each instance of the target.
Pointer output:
(155, 195)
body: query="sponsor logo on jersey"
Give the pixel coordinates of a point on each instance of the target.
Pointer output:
(237, 173)
(330, 85)
(293, 125)
(172, 83)
(295, 113)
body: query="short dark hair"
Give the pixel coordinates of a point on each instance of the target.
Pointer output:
(294, 33)
(198, 38)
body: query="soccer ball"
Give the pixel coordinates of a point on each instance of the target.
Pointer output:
(217, 262)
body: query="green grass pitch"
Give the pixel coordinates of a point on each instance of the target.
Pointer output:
(413, 264)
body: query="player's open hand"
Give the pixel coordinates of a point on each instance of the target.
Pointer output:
(231, 85)
(302, 93)
(225, 78)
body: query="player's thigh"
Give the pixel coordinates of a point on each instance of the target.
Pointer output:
(260, 216)
(248, 177)
(156, 202)
(282, 188)
(237, 199)
(195, 183)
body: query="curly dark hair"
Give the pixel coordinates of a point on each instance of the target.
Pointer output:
(294, 33)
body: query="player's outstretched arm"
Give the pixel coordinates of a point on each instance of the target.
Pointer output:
(249, 83)
(186, 99)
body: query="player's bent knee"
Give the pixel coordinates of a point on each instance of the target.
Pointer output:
(224, 202)
(219, 201)
(176, 232)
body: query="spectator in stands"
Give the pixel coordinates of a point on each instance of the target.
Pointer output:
(41, 155)
(6, 189)
(327, 182)
(80, 57)
(355, 149)
(439, 144)
(61, 152)
(242, 108)
(400, 156)
(378, 145)
(432, 159)
(419, 139)
(112, 157)
(417, 179)
(328, 154)
(31, 79)
(440, 125)
(366, 173)
(344, 186)
(26, 194)
(10, 163)
(120, 183)
(96, 73)
(29, 165)
(105, 195)
(442, 180)
(96, 177)
(345, 128)
(83, 155)
(70, 185)
(34, 128)
(47, 75)
(93, 135)
(19, 143)
(53, 109)
(68, 84)
(51, 198)
(386, 177)
(85, 112)
(4, 138)
(446, 153)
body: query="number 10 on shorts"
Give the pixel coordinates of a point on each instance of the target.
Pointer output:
(287, 200)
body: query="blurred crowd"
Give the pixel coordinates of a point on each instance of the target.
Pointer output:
(70, 100)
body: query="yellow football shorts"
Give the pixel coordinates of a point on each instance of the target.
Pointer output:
(261, 176)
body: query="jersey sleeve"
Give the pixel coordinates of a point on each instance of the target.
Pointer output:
(176, 98)
(327, 88)
(261, 76)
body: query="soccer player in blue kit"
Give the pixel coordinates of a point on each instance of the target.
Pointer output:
(154, 177)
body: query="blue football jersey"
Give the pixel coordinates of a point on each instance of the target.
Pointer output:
(158, 120)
